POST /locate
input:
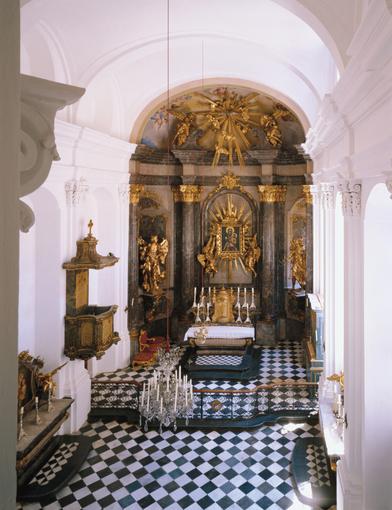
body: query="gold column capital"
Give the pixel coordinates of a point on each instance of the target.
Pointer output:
(187, 193)
(272, 192)
(135, 191)
(306, 190)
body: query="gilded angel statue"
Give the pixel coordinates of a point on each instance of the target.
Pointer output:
(207, 257)
(186, 122)
(46, 382)
(297, 258)
(269, 123)
(152, 262)
(252, 255)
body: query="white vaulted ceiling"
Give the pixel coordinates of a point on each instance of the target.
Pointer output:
(117, 50)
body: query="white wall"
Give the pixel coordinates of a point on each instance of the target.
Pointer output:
(378, 349)
(89, 182)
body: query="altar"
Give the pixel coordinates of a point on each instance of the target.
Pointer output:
(218, 336)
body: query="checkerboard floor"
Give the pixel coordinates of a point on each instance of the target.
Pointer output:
(196, 470)
(277, 364)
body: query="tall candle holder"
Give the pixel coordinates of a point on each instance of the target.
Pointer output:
(208, 313)
(239, 320)
(194, 298)
(21, 433)
(247, 320)
(245, 301)
(198, 319)
(37, 418)
(252, 304)
(50, 403)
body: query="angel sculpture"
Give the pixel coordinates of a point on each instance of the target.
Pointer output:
(184, 127)
(46, 382)
(269, 123)
(207, 257)
(252, 255)
(297, 259)
(152, 261)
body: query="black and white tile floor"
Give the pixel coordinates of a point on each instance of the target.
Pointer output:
(193, 470)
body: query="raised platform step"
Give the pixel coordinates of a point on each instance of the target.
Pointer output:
(314, 480)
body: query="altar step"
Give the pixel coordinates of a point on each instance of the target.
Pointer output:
(213, 408)
(314, 480)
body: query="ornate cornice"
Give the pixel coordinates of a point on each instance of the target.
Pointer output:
(351, 198)
(75, 190)
(307, 193)
(40, 100)
(272, 192)
(187, 193)
(135, 192)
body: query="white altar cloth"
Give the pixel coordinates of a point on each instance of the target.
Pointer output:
(223, 332)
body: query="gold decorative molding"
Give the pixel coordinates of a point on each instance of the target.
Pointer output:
(272, 193)
(135, 192)
(187, 193)
(306, 189)
(229, 181)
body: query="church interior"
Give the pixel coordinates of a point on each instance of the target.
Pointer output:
(196, 210)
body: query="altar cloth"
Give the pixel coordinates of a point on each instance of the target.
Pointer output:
(223, 332)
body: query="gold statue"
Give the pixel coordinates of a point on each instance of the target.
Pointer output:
(153, 259)
(207, 257)
(337, 378)
(223, 309)
(184, 128)
(252, 255)
(46, 382)
(270, 125)
(297, 259)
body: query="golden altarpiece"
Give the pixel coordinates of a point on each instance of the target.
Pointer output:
(220, 186)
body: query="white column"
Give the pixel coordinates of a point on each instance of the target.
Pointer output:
(315, 191)
(350, 468)
(123, 347)
(9, 240)
(328, 200)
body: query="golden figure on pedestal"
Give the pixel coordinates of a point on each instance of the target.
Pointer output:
(252, 255)
(152, 262)
(297, 258)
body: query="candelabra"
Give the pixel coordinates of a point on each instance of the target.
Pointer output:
(167, 396)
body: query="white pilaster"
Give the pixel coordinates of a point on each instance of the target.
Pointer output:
(316, 199)
(328, 200)
(350, 468)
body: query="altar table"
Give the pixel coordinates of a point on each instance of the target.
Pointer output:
(222, 336)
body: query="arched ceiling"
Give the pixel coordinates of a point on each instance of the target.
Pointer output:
(118, 51)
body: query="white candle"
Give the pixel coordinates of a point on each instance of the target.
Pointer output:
(158, 392)
(202, 291)
(36, 400)
(186, 397)
(253, 292)
(179, 371)
(175, 400)
(161, 405)
(209, 294)
(194, 294)
(143, 394)
(21, 411)
(245, 295)
(238, 294)
(148, 398)
(191, 390)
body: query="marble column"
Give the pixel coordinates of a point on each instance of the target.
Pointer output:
(10, 137)
(189, 196)
(309, 238)
(349, 479)
(317, 234)
(134, 310)
(272, 198)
